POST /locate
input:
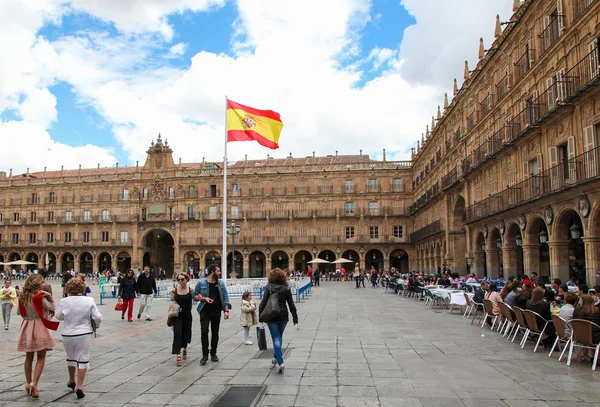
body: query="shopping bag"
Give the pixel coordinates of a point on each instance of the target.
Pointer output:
(261, 337)
(120, 306)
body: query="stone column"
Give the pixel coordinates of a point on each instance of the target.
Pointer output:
(41, 261)
(491, 256)
(478, 263)
(113, 262)
(268, 265)
(246, 267)
(202, 264)
(76, 265)
(362, 263)
(438, 261)
(386, 263)
(457, 249)
(592, 260)
(559, 260)
(509, 261)
(531, 258)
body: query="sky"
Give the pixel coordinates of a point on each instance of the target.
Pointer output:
(87, 82)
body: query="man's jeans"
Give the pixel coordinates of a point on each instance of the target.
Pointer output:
(145, 304)
(215, 322)
(276, 329)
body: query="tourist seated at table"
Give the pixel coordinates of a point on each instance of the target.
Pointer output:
(563, 290)
(454, 280)
(548, 292)
(582, 289)
(472, 279)
(494, 296)
(526, 281)
(480, 292)
(538, 304)
(444, 281)
(566, 312)
(571, 282)
(525, 296)
(586, 310)
(596, 295)
(512, 299)
(556, 283)
(507, 289)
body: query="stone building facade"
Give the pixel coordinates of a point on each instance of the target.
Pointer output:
(168, 215)
(506, 181)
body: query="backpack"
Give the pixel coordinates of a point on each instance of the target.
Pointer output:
(272, 309)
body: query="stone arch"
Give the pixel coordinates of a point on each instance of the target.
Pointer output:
(33, 258)
(104, 261)
(594, 221)
(14, 256)
(301, 259)
(458, 213)
(86, 263)
(258, 264)
(280, 259)
(566, 246)
(399, 260)
(159, 246)
(374, 258)
(67, 261)
(213, 257)
(124, 261)
(50, 262)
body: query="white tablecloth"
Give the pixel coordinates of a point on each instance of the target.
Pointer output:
(459, 298)
(445, 293)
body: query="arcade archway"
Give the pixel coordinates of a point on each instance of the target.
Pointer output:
(86, 263)
(104, 261)
(374, 259)
(257, 264)
(123, 262)
(326, 255)
(399, 261)
(238, 266)
(159, 246)
(301, 260)
(68, 262)
(281, 260)
(192, 262)
(351, 255)
(32, 258)
(50, 262)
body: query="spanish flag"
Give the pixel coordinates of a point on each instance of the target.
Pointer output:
(246, 123)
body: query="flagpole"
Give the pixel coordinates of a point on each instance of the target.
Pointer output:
(224, 254)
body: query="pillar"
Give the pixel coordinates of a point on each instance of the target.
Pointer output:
(531, 258)
(491, 257)
(509, 261)
(246, 267)
(478, 263)
(457, 249)
(113, 262)
(438, 261)
(41, 262)
(76, 265)
(268, 265)
(202, 265)
(386, 264)
(592, 260)
(362, 263)
(559, 260)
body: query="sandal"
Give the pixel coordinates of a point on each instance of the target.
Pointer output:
(184, 354)
(34, 391)
(28, 389)
(178, 363)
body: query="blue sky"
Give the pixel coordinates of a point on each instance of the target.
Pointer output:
(90, 82)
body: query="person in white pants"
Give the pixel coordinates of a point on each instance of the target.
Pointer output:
(146, 285)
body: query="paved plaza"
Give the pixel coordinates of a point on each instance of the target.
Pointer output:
(351, 348)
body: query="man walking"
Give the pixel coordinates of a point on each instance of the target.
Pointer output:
(317, 276)
(213, 298)
(146, 285)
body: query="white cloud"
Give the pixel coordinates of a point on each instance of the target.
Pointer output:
(288, 58)
(177, 50)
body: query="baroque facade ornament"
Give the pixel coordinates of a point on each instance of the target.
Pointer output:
(522, 220)
(501, 227)
(548, 215)
(583, 207)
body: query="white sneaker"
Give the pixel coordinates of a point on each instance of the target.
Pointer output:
(248, 343)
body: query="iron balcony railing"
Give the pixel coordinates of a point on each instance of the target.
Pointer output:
(580, 169)
(471, 120)
(450, 179)
(487, 104)
(429, 230)
(502, 87)
(580, 7)
(523, 64)
(551, 33)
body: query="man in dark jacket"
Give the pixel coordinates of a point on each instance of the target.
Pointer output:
(146, 290)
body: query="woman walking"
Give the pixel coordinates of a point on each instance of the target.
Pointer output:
(127, 290)
(278, 285)
(80, 315)
(8, 296)
(182, 324)
(35, 336)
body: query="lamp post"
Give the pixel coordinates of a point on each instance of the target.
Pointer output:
(233, 230)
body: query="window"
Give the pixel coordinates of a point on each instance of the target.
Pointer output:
(144, 214)
(192, 191)
(171, 213)
(67, 237)
(68, 216)
(171, 193)
(51, 197)
(145, 194)
(34, 198)
(212, 233)
(104, 235)
(235, 211)
(349, 186)
(213, 191)
(374, 232)
(372, 185)
(257, 232)
(33, 216)
(85, 237)
(397, 185)
(124, 237)
(125, 194)
(16, 216)
(349, 232)
(235, 188)
(105, 214)
(50, 237)
(302, 232)
(212, 212)
(397, 230)
(32, 237)
(50, 216)
(349, 208)
(0, 221)
(279, 232)
(373, 208)
(191, 212)
(14, 238)
(325, 231)
(87, 216)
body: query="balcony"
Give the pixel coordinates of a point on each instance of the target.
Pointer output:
(325, 189)
(581, 76)
(551, 33)
(50, 200)
(69, 199)
(256, 191)
(424, 232)
(86, 199)
(502, 86)
(467, 164)
(373, 188)
(191, 194)
(279, 190)
(279, 214)
(302, 190)
(104, 197)
(448, 146)
(472, 120)
(457, 136)
(33, 201)
(523, 64)
(255, 214)
(580, 7)
(208, 193)
(486, 104)
(580, 169)
(15, 201)
(450, 179)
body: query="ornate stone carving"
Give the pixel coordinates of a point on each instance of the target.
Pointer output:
(548, 215)
(583, 207)
(522, 220)
(501, 227)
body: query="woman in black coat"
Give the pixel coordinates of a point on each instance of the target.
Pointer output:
(278, 285)
(127, 290)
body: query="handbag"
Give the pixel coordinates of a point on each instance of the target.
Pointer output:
(172, 312)
(120, 306)
(271, 310)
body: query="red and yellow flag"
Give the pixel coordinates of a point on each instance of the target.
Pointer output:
(246, 123)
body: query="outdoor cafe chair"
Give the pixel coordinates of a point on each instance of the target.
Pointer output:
(522, 326)
(533, 327)
(468, 307)
(488, 306)
(477, 306)
(509, 319)
(582, 337)
(561, 336)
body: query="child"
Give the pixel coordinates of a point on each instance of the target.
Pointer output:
(248, 315)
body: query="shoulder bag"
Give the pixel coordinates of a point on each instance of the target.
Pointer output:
(271, 310)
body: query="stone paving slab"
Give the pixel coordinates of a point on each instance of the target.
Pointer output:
(352, 348)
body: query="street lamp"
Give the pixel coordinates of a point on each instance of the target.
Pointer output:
(543, 237)
(499, 243)
(519, 240)
(233, 229)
